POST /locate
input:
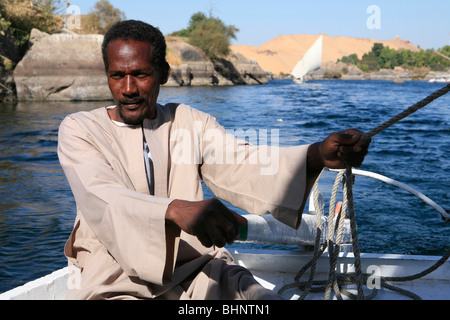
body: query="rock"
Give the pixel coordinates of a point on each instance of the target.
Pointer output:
(190, 66)
(63, 66)
(10, 54)
(248, 68)
(338, 70)
(68, 66)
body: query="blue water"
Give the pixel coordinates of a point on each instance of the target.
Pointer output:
(37, 208)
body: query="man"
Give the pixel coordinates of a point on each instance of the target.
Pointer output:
(142, 228)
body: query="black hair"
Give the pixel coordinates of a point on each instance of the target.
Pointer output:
(137, 31)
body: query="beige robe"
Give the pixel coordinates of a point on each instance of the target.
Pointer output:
(120, 242)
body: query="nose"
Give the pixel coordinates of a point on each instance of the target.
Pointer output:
(129, 88)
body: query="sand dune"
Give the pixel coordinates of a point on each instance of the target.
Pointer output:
(280, 54)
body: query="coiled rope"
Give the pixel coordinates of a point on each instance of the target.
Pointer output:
(336, 282)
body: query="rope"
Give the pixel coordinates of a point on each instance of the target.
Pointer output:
(335, 281)
(410, 110)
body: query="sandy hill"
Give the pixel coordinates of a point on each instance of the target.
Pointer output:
(280, 54)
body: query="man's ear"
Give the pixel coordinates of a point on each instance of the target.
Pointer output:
(165, 72)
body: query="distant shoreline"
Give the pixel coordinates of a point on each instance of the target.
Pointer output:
(279, 55)
(396, 78)
(344, 71)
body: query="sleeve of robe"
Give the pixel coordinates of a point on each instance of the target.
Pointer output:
(129, 224)
(258, 179)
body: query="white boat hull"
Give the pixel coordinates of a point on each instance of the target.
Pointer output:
(276, 268)
(265, 266)
(440, 80)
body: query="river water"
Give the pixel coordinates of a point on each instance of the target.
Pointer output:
(37, 207)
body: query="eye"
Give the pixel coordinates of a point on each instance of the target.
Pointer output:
(142, 75)
(116, 75)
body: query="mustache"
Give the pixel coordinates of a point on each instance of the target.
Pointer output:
(137, 100)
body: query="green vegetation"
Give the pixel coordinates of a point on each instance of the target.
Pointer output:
(332, 75)
(102, 16)
(18, 17)
(381, 57)
(209, 34)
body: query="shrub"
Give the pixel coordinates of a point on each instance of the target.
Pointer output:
(21, 16)
(209, 34)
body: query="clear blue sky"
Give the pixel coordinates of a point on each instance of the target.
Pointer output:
(425, 23)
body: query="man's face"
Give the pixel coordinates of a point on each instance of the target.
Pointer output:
(133, 80)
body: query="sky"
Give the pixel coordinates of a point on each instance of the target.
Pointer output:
(426, 23)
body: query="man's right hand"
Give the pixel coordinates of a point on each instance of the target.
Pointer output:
(209, 220)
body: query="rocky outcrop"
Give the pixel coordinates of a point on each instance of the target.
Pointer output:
(67, 66)
(240, 70)
(190, 66)
(63, 66)
(10, 54)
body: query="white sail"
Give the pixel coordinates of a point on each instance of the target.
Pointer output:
(311, 61)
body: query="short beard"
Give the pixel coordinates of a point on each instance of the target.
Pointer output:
(137, 121)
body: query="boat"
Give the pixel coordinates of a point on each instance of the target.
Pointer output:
(311, 61)
(444, 79)
(305, 273)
